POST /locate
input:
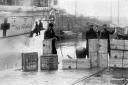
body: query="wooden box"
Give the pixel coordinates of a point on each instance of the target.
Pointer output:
(69, 64)
(103, 46)
(125, 55)
(30, 61)
(116, 54)
(117, 44)
(49, 62)
(93, 60)
(47, 46)
(125, 63)
(117, 63)
(93, 45)
(103, 60)
(83, 63)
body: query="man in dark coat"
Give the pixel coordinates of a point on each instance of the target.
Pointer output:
(40, 26)
(49, 34)
(90, 34)
(36, 30)
(5, 26)
(106, 35)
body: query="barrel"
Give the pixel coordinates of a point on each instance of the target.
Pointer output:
(81, 52)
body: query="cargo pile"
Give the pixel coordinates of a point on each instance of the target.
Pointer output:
(49, 61)
(119, 54)
(82, 63)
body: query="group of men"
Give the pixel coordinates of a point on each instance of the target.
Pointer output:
(37, 28)
(98, 34)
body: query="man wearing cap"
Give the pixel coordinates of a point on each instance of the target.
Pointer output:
(105, 35)
(90, 34)
(5, 26)
(50, 34)
(40, 26)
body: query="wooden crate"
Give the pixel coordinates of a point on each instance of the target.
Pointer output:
(93, 45)
(83, 63)
(118, 63)
(125, 63)
(103, 46)
(30, 61)
(125, 55)
(103, 60)
(49, 62)
(117, 44)
(126, 44)
(69, 64)
(47, 46)
(93, 60)
(126, 47)
(116, 54)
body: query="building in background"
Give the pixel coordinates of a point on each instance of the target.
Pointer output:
(5, 2)
(38, 3)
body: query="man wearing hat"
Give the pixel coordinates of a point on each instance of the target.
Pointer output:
(50, 34)
(105, 35)
(5, 26)
(90, 34)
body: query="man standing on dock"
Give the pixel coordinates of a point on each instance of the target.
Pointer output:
(106, 35)
(5, 26)
(50, 34)
(90, 34)
(40, 26)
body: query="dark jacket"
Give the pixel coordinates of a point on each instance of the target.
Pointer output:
(90, 34)
(105, 35)
(36, 29)
(5, 26)
(40, 26)
(49, 34)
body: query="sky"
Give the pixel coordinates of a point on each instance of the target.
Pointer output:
(101, 9)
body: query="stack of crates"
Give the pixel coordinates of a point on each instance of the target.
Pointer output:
(125, 59)
(30, 61)
(93, 51)
(48, 61)
(103, 53)
(80, 63)
(117, 53)
(98, 52)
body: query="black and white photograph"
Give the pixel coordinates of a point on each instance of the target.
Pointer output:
(63, 42)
